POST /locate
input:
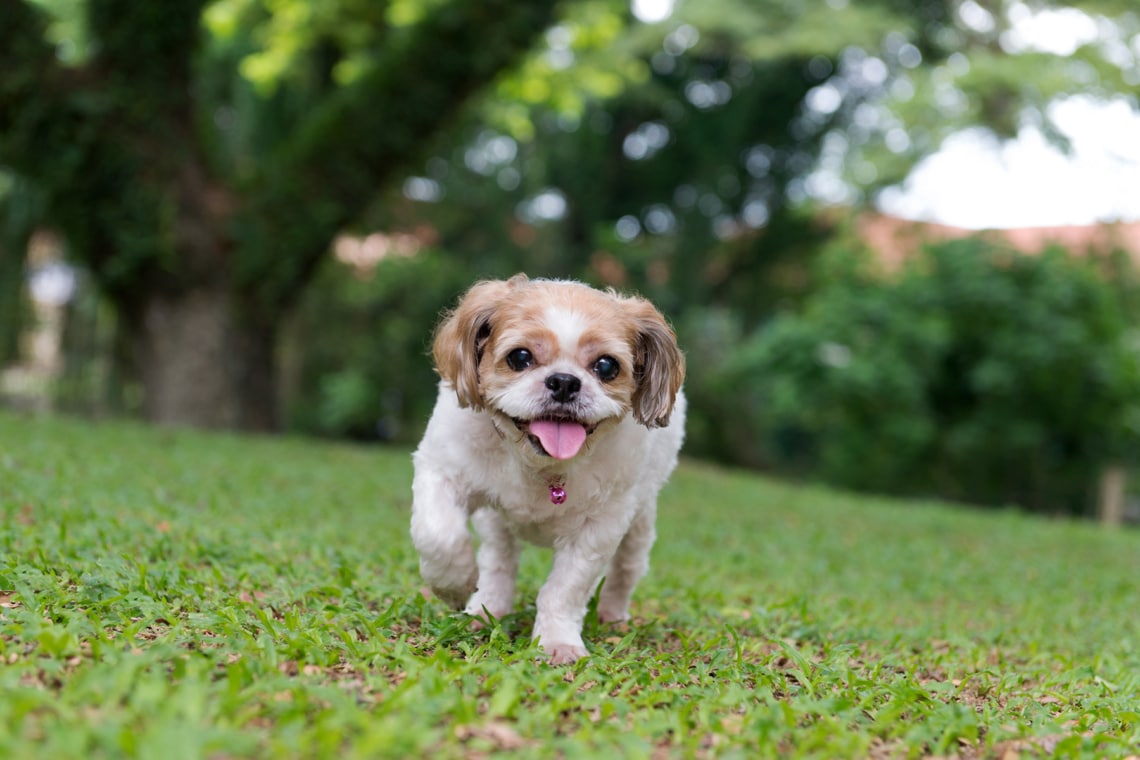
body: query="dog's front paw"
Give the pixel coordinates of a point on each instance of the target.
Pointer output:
(564, 654)
(454, 581)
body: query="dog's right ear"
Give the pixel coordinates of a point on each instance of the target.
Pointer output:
(463, 334)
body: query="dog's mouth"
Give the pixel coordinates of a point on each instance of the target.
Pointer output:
(558, 437)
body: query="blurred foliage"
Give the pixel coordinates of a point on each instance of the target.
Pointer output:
(369, 377)
(198, 146)
(697, 185)
(700, 181)
(193, 151)
(976, 373)
(586, 57)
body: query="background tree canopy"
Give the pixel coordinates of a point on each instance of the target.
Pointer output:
(977, 373)
(201, 158)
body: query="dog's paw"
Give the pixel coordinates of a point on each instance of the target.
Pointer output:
(564, 654)
(453, 597)
(612, 613)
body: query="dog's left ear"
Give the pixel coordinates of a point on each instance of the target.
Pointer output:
(660, 366)
(463, 334)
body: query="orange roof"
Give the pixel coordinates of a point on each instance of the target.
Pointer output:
(894, 239)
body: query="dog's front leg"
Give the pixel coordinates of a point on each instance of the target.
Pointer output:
(578, 563)
(440, 535)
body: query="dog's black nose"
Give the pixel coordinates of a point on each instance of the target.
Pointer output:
(563, 387)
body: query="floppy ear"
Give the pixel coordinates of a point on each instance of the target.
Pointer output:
(463, 334)
(659, 366)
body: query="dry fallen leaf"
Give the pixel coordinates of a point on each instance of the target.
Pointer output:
(499, 734)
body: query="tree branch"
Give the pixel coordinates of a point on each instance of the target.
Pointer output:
(367, 132)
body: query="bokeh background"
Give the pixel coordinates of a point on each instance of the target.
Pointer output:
(897, 239)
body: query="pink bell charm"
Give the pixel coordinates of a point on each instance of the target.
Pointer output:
(557, 492)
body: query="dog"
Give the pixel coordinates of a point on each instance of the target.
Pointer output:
(559, 417)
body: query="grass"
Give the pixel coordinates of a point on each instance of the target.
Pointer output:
(184, 595)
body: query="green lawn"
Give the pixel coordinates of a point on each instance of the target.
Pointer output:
(176, 594)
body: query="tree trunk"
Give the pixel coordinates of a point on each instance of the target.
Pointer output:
(18, 215)
(1110, 497)
(11, 289)
(206, 362)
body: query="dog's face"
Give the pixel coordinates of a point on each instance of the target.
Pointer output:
(558, 361)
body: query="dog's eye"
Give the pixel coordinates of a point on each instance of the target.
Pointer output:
(520, 359)
(606, 368)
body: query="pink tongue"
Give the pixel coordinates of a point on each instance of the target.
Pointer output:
(562, 440)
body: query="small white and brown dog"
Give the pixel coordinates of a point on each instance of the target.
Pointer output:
(559, 418)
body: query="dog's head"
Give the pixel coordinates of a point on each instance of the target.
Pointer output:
(558, 359)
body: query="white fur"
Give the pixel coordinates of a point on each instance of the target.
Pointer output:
(565, 324)
(466, 468)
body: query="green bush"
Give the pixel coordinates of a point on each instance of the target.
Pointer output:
(357, 354)
(976, 374)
